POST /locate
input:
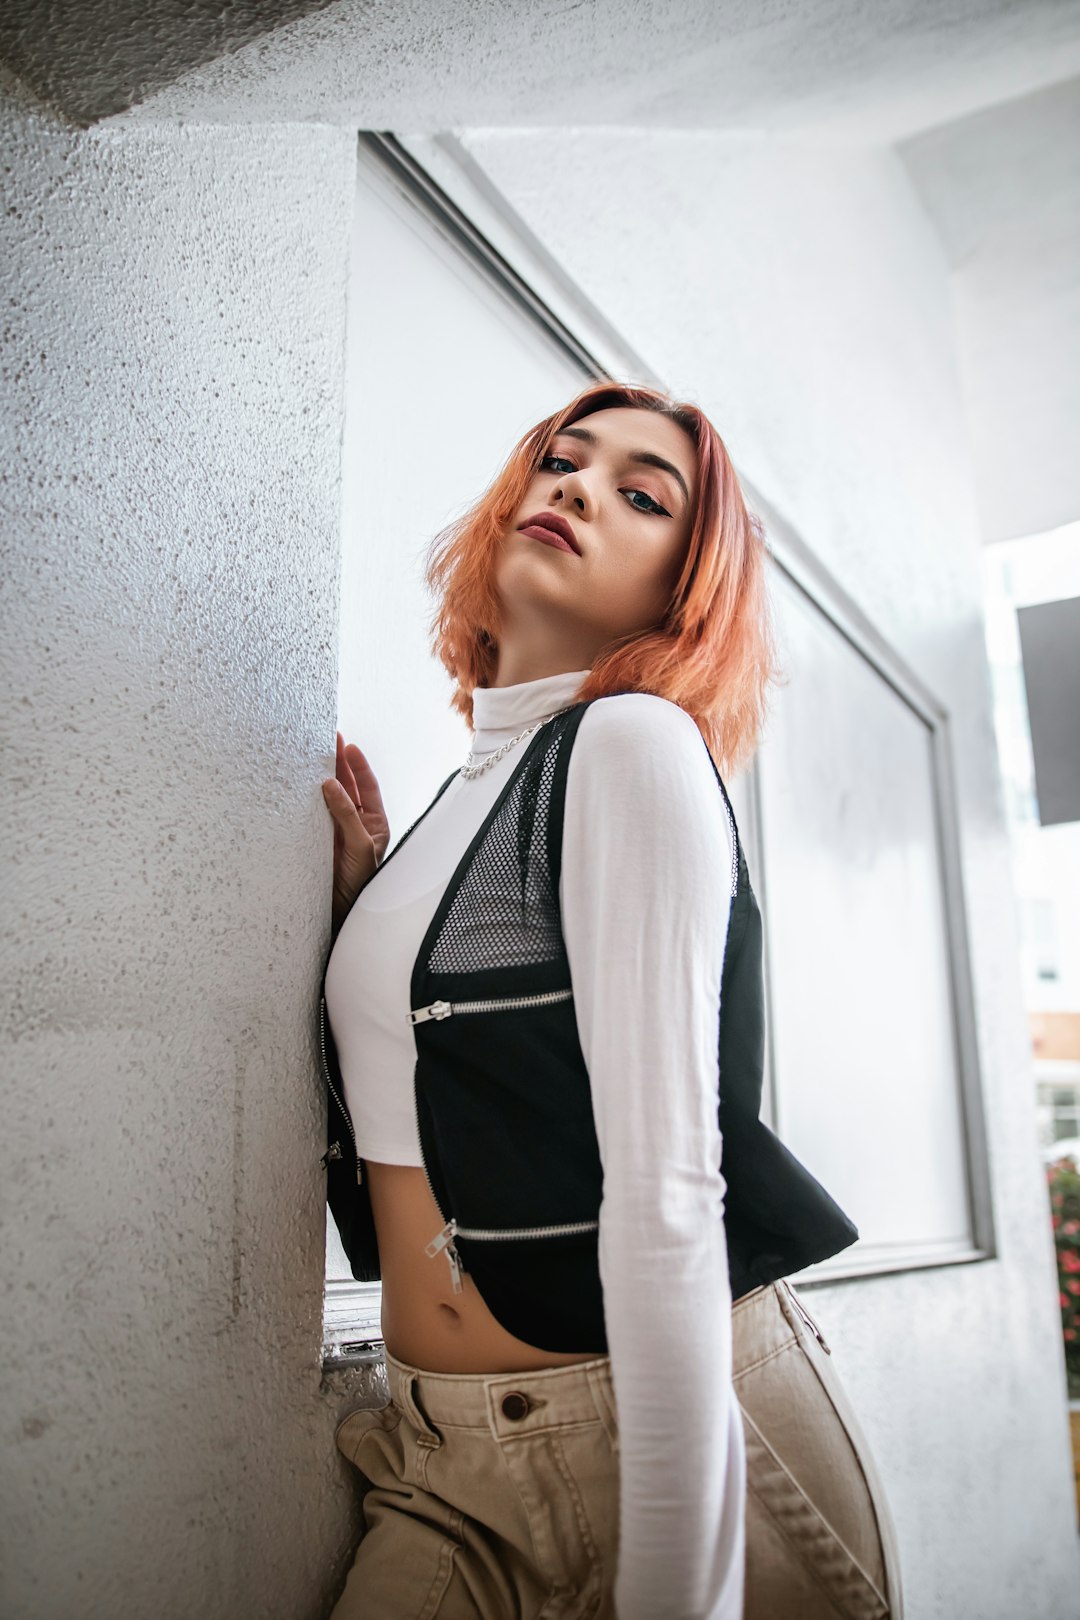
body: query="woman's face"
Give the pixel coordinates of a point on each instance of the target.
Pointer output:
(625, 480)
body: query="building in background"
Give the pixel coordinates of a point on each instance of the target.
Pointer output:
(1046, 858)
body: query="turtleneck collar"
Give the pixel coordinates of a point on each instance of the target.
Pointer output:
(500, 712)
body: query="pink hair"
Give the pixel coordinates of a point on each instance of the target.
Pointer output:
(713, 651)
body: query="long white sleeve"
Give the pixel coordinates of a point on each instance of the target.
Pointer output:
(645, 892)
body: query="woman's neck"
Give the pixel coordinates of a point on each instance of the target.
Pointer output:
(500, 712)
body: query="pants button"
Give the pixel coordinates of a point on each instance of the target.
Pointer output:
(516, 1405)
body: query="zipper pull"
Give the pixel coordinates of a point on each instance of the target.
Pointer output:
(441, 1239)
(334, 1152)
(445, 1240)
(438, 1009)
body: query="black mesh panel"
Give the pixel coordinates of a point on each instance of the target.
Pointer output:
(505, 912)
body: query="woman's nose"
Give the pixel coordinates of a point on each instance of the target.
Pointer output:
(574, 491)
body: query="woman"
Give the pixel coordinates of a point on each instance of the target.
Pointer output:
(605, 1399)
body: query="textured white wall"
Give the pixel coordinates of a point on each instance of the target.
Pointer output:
(1003, 189)
(172, 354)
(859, 72)
(801, 297)
(172, 345)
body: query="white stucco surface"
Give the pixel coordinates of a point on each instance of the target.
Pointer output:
(172, 353)
(172, 358)
(838, 68)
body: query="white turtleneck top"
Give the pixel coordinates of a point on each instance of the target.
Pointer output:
(644, 891)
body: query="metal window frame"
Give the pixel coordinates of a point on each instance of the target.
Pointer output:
(812, 580)
(438, 177)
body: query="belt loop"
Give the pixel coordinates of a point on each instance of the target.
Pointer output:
(426, 1435)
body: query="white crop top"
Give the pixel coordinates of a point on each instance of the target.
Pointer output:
(644, 893)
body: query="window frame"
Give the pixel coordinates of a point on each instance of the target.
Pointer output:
(438, 177)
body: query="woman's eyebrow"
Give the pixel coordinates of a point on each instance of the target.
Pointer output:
(646, 458)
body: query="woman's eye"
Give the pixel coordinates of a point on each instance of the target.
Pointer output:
(653, 506)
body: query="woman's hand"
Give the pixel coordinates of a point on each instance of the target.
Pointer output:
(361, 830)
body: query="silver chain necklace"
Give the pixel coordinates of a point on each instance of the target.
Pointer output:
(471, 769)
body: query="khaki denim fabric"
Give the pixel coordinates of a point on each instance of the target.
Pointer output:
(494, 1496)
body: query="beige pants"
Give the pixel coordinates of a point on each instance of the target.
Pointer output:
(494, 1496)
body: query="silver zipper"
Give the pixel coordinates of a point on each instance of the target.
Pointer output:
(443, 1009)
(445, 1238)
(498, 1232)
(807, 1318)
(330, 1154)
(494, 1234)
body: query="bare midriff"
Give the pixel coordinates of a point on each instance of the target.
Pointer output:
(424, 1322)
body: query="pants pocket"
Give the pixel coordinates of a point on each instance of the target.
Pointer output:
(879, 1512)
(407, 1554)
(405, 1561)
(779, 1507)
(354, 1429)
(820, 1539)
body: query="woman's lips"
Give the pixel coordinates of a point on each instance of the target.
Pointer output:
(538, 532)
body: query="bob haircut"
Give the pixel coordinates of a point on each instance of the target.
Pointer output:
(713, 650)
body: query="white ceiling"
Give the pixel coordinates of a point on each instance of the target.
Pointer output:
(980, 97)
(1002, 187)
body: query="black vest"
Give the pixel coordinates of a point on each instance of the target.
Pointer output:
(502, 1089)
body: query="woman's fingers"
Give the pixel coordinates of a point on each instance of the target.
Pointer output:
(339, 802)
(361, 788)
(355, 838)
(367, 783)
(361, 834)
(345, 773)
(355, 856)
(358, 779)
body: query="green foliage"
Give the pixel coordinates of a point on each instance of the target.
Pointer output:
(1063, 1180)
